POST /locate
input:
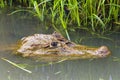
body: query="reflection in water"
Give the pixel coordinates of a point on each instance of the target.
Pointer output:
(12, 28)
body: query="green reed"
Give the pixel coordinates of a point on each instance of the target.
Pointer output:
(67, 11)
(73, 6)
(94, 16)
(2, 3)
(92, 11)
(40, 8)
(58, 10)
(98, 14)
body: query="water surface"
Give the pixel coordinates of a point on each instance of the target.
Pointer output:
(14, 27)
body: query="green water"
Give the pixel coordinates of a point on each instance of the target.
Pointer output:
(13, 28)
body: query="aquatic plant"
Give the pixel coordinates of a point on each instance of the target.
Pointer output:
(94, 16)
(2, 4)
(61, 12)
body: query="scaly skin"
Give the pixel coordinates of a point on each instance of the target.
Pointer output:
(55, 45)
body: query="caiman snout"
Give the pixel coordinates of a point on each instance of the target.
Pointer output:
(103, 51)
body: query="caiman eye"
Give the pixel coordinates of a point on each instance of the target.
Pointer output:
(54, 44)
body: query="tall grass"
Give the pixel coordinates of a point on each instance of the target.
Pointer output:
(96, 16)
(59, 5)
(2, 4)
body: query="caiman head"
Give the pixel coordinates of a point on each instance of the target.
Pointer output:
(56, 45)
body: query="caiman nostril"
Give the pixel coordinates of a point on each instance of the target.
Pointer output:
(103, 51)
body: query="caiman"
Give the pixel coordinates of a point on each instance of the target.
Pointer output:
(56, 46)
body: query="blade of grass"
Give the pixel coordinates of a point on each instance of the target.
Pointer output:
(14, 64)
(16, 11)
(98, 18)
(2, 4)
